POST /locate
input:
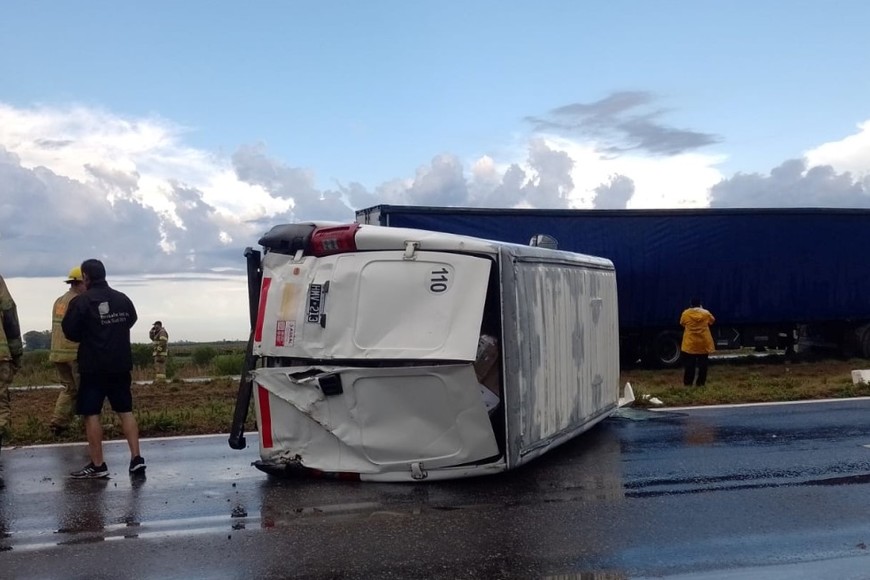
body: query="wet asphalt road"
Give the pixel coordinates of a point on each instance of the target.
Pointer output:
(749, 492)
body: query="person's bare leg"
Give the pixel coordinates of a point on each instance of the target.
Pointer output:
(131, 432)
(94, 431)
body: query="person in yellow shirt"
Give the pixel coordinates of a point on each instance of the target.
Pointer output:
(63, 355)
(697, 342)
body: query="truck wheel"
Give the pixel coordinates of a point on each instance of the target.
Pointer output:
(664, 351)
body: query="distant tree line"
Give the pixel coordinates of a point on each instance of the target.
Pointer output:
(218, 355)
(37, 340)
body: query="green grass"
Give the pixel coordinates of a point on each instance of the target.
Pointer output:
(758, 380)
(179, 408)
(170, 409)
(210, 361)
(164, 421)
(33, 429)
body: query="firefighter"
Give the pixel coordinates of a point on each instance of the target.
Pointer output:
(11, 350)
(63, 355)
(160, 341)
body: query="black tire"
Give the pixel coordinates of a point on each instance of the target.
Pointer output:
(664, 350)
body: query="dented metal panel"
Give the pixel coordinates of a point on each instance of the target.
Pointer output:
(380, 420)
(561, 348)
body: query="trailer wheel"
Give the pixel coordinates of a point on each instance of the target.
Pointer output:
(666, 349)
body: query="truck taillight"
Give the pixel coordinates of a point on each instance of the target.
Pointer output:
(334, 240)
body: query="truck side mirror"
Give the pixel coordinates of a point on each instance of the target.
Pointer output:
(544, 241)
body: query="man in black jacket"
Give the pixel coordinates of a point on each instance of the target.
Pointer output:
(100, 320)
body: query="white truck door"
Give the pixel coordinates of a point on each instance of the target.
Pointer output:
(372, 305)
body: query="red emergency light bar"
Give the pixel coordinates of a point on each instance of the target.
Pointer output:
(333, 240)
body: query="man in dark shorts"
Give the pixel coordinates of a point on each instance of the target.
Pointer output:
(100, 320)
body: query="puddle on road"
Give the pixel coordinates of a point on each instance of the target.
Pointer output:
(632, 414)
(740, 482)
(848, 480)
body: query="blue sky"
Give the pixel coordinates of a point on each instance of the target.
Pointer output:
(368, 91)
(188, 127)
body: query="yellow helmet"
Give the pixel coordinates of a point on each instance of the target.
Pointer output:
(75, 275)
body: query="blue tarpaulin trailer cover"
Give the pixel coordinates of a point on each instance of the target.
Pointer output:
(749, 266)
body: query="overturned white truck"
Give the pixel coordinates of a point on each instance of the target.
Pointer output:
(394, 354)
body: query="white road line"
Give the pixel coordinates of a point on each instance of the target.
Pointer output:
(249, 436)
(145, 382)
(774, 403)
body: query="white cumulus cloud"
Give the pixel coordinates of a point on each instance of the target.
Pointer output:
(850, 154)
(681, 180)
(79, 182)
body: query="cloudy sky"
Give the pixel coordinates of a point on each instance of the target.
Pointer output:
(164, 137)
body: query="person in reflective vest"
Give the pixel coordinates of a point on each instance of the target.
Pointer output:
(697, 342)
(160, 343)
(11, 350)
(63, 355)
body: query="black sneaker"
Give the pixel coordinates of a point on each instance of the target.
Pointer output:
(137, 464)
(91, 471)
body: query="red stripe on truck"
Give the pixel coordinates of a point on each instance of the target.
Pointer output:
(265, 417)
(261, 309)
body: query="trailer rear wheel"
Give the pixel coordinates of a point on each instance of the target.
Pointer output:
(664, 351)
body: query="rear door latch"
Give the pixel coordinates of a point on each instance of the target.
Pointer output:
(417, 471)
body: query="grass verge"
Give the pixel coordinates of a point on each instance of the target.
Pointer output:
(178, 408)
(174, 408)
(752, 380)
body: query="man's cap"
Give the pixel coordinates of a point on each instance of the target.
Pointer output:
(156, 322)
(75, 275)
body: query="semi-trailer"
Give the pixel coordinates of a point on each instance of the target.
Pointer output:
(770, 276)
